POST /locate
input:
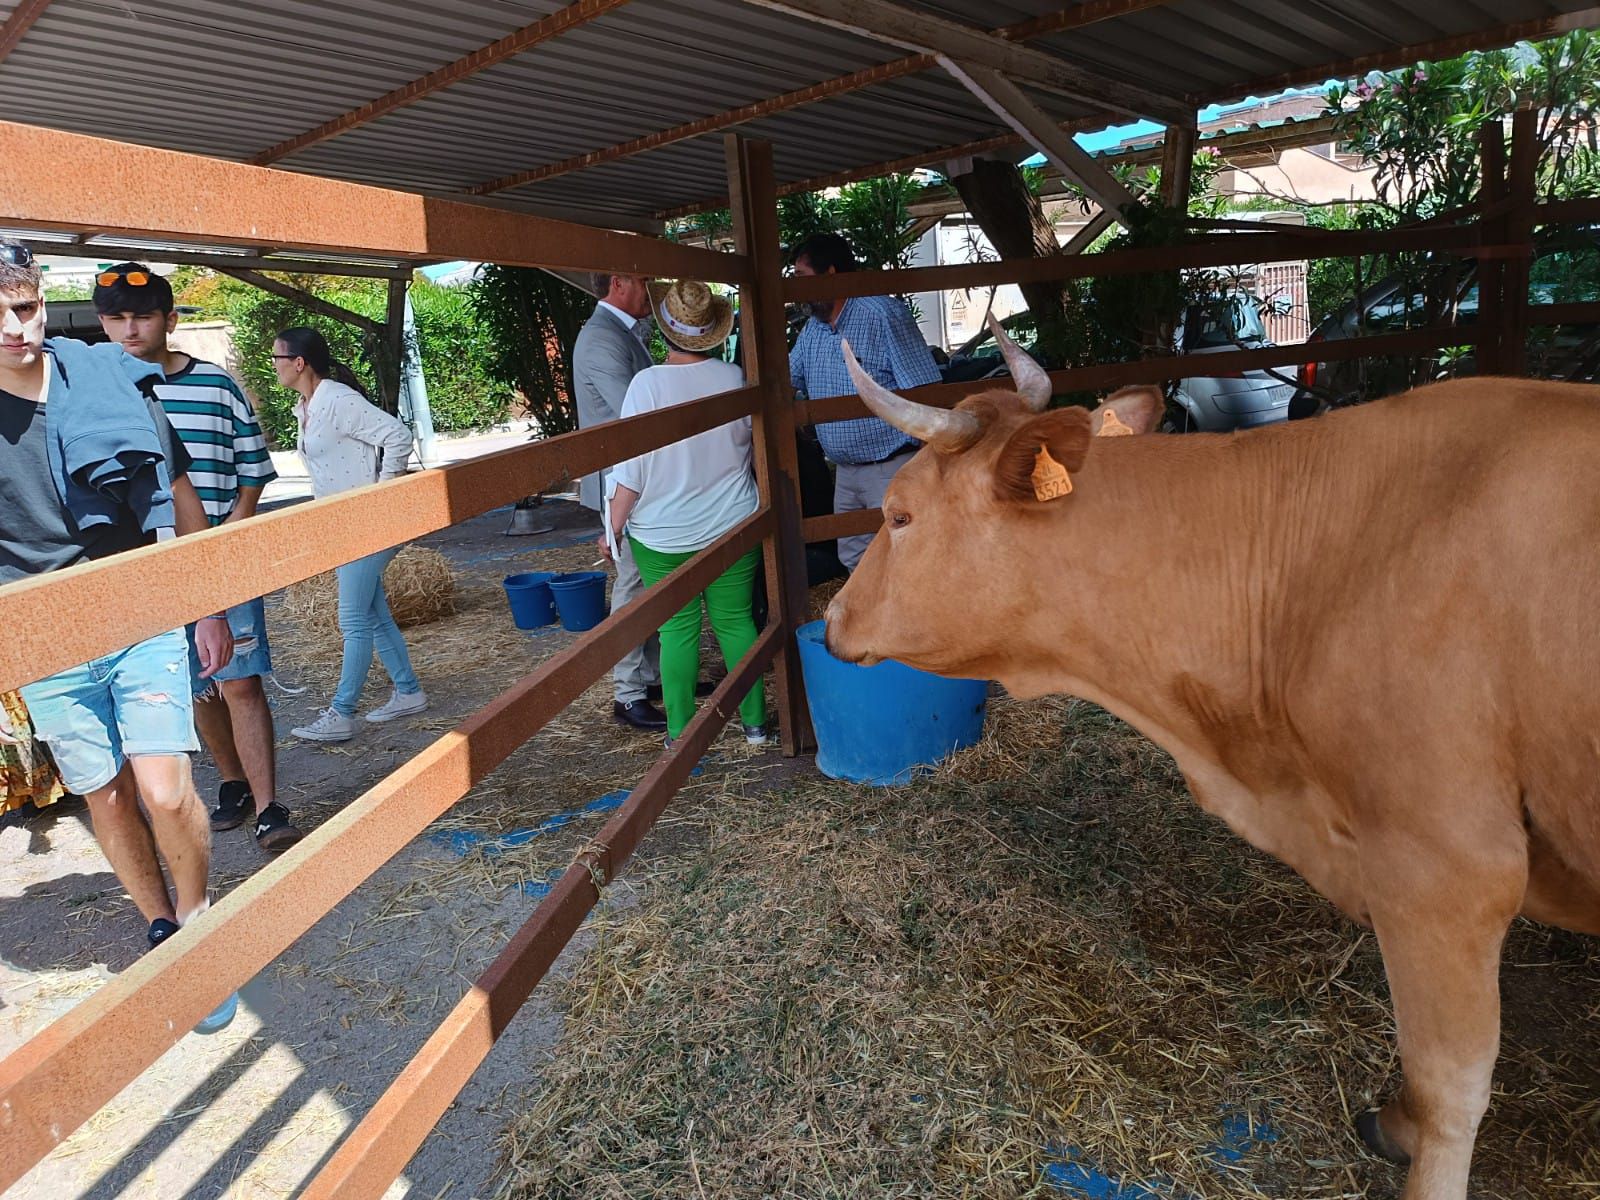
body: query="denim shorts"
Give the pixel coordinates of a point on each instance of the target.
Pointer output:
(136, 701)
(251, 653)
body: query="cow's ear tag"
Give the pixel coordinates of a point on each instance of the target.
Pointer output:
(1111, 426)
(1050, 478)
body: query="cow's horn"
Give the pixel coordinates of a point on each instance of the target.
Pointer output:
(942, 428)
(1032, 381)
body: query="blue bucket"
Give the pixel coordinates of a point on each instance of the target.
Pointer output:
(532, 603)
(885, 724)
(580, 599)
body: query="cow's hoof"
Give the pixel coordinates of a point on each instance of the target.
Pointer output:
(1375, 1140)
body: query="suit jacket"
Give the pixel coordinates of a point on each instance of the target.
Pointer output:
(604, 361)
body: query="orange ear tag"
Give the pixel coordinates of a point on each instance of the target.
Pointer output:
(1112, 426)
(1050, 478)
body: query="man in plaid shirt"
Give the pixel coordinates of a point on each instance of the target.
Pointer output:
(881, 331)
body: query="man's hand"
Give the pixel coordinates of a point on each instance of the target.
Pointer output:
(8, 733)
(214, 640)
(605, 547)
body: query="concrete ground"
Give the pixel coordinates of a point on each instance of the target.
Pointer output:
(253, 1110)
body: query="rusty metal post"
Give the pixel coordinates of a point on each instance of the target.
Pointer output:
(766, 364)
(1520, 188)
(1491, 271)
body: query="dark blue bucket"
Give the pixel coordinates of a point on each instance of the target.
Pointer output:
(580, 599)
(887, 723)
(532, 603)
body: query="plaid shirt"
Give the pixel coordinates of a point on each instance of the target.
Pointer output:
(889, 346)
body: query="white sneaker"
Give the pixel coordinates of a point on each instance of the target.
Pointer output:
(399, 705)
(757, 735)
(329, 726)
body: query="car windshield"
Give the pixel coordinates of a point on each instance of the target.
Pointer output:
(1223, 321)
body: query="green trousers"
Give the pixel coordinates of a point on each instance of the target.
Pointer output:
(727, 602)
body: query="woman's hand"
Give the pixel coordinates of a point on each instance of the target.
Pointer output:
(605, 548)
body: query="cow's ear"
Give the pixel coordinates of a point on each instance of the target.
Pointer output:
(1129, 410)
(1037, 461)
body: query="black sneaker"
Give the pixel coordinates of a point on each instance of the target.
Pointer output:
(235, 805)
(273, 830)
(160, 930)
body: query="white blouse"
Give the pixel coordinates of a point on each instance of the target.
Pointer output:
(693, 491)
(341, 435)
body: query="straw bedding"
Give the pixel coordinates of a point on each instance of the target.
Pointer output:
(1041, 965)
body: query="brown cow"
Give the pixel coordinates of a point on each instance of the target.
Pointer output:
(1370, 642)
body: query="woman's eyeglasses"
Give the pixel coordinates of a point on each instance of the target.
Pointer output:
(134, 278)
(14, 255)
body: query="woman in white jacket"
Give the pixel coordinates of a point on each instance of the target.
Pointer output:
(348, 442)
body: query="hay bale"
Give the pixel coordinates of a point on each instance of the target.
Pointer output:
(419, 583)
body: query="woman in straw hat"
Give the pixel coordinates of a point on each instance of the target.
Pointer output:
(673, 502)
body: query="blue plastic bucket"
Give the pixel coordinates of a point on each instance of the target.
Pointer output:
(532, 603)
(580, 599)
(884, 724)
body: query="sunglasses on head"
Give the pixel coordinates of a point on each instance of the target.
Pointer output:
(14, 255)
(134, 278)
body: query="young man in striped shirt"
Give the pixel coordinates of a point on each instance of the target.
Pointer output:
(231, 466)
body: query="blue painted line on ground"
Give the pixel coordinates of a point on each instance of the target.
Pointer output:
(1079, 1177)
(1241, 1133)
(1074, 1172)
(464, 842)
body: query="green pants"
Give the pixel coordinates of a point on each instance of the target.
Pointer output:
(727, 602)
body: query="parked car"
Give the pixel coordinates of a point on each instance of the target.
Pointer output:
(1565, 270)
(1233, 400)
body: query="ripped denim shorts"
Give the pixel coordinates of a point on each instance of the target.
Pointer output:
(136, 701)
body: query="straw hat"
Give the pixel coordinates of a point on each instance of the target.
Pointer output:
(690, 315)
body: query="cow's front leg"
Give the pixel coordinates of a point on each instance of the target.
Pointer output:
(1441, 920)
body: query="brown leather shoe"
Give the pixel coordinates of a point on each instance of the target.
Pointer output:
(640, 714)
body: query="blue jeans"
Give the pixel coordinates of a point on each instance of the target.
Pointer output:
(136, 701)
(252, 655)
(365, 621)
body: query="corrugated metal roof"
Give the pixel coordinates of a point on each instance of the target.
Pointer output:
(234, 79)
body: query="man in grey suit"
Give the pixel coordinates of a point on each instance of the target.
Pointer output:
(612, 348)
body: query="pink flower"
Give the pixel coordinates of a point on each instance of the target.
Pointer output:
(1364, 90)
(1420, 76)
(1397, 89)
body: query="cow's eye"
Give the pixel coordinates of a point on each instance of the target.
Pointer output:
(899, 519)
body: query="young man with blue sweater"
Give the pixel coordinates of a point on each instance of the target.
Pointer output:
(90, 467)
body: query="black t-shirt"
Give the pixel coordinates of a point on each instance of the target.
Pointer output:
(37, 533)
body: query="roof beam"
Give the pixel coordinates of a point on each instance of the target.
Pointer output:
(1011, 105)
(542, 30)
(1087, 13)
(162, 195)
(18, 23)
(885, 21)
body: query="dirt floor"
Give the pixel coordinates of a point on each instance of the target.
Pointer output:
(1039, 972)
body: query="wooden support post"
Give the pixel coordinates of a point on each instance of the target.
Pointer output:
(391, 357)
(754, 197)
(1491, 271)
(1177, 164)
(1521, 184)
